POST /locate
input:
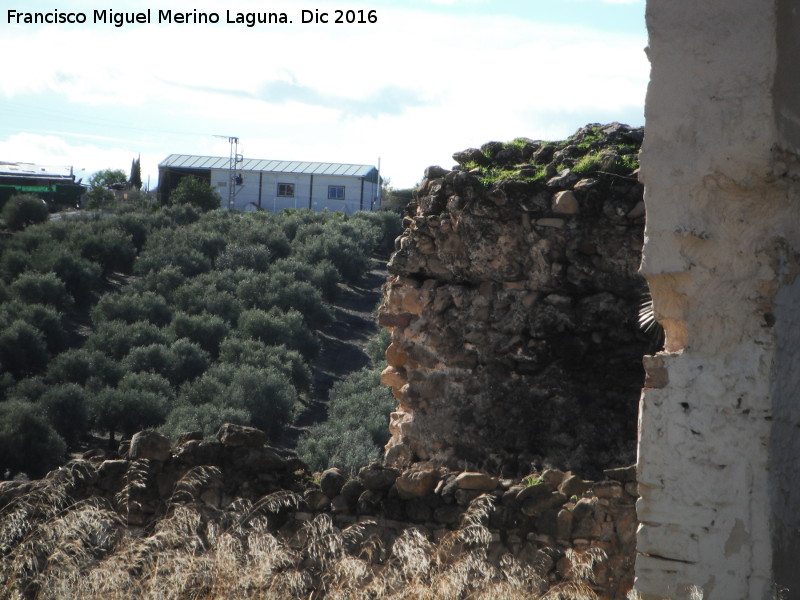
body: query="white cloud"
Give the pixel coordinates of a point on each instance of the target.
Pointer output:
(85, 158)
(412, 89)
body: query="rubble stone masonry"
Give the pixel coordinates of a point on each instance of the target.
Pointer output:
(513, 303)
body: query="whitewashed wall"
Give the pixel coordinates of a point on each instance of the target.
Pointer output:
(247, 194)
(718, 440)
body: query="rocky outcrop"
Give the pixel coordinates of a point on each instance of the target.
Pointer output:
(513, 302)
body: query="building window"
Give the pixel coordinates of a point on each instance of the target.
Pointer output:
(286, 190)
(335, 192)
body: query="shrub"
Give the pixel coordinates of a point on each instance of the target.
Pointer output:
(132, 307)
(191, 360)
(209, 243)
(38, 288)
(327, 447)
(6, 382)
(33, 237)
(322, 275)
(23, 350)
(388, 223)
(29, 389)
(275, 327)
(28, 443)
(127, 411)
(79, 275)
(188, 261)
(376, 347)
(206, 418)
(44, 318)
(344, 253)
(266, 394)
(235, 256)
(206, 389)
(197, 193)
(22, 210)
(196, 297)
(205, 330)
(163, 281)
(65, 409)
(182, 361)
(112, 249)
(136, 225)
(13, 263)
(357, 425)
(261, 229)
(181, 215)
(88, 368)
(281, 290)
(99, 194)
(116, 339)
(147, 382)
(153, 358)
(238, 351)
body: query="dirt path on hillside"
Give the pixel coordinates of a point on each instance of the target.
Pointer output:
(343, 349)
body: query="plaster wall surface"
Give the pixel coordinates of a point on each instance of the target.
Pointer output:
(717, 414)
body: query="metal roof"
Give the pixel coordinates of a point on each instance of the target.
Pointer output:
(18, 169)
(188, 161)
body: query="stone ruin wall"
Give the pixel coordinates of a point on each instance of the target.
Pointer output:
(718, 449)
(513, 310)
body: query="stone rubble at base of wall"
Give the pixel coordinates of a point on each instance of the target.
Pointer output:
(536, 523)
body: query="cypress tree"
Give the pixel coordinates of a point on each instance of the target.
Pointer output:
(136, 173)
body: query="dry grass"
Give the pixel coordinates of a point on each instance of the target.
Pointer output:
(55, 547)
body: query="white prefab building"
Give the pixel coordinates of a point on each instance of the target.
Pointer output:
(273, 185)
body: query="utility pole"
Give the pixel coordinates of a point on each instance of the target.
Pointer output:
(234, 177)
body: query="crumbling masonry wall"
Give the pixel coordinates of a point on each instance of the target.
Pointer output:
(718, 438)
(513, 306)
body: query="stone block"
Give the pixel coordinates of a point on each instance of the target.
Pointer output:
(476, 481)
(416, 484)
(394, 320)
(608, 489)
(149, 444)
(656, 375)
(394, 356)
(340, 505)
(565, 203)
(331, 482)
(111, 474)
(534, 492)
(394, 377)
(231, 434)
(377, 477)
(464, 497)
(574, 486)
(316, 500)
(551, 222)
(352, 490)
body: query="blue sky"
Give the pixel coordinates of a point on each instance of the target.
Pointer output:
(429, 78)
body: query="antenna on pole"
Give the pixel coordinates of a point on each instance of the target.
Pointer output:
(234, 177)
(380, 187)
